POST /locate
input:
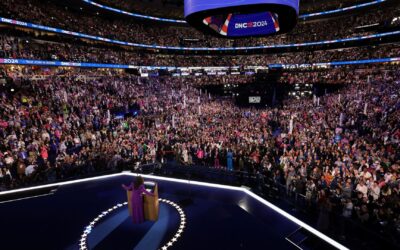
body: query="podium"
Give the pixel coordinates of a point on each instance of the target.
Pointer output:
(150, 203)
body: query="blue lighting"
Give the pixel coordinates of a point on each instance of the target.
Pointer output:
(125, 66)
(107, 40)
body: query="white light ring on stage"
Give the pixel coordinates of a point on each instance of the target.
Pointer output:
(88, 229)
(182, 224)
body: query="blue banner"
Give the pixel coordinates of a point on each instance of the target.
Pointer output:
(124, 66)
(336, 63)
(62, 64)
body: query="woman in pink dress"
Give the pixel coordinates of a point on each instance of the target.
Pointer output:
(137, 189)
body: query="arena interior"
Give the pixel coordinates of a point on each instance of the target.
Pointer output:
(285, 140)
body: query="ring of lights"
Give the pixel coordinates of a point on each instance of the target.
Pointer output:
(285, 14)
(88, 229)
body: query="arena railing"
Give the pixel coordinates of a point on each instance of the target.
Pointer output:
(11, 61)
(181, 21)
(199, 49)
(345, 9)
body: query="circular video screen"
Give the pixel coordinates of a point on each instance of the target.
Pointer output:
(235, 19)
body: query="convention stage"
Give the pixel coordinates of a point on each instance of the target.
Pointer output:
(92, 213)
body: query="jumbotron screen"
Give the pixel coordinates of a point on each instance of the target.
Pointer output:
(250, 18)
(238, 25)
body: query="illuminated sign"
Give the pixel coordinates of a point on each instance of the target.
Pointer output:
(238, 25)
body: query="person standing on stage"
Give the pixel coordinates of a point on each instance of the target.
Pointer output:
(137, 189)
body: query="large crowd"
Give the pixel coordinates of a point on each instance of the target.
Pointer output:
(26, 47)
(309, 6)
(158, 8)
(338, 150)
(51, 14)
(341, 151)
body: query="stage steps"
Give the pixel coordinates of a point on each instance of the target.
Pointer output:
(304, 240)
(298, 237)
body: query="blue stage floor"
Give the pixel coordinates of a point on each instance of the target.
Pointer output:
(216, 219)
